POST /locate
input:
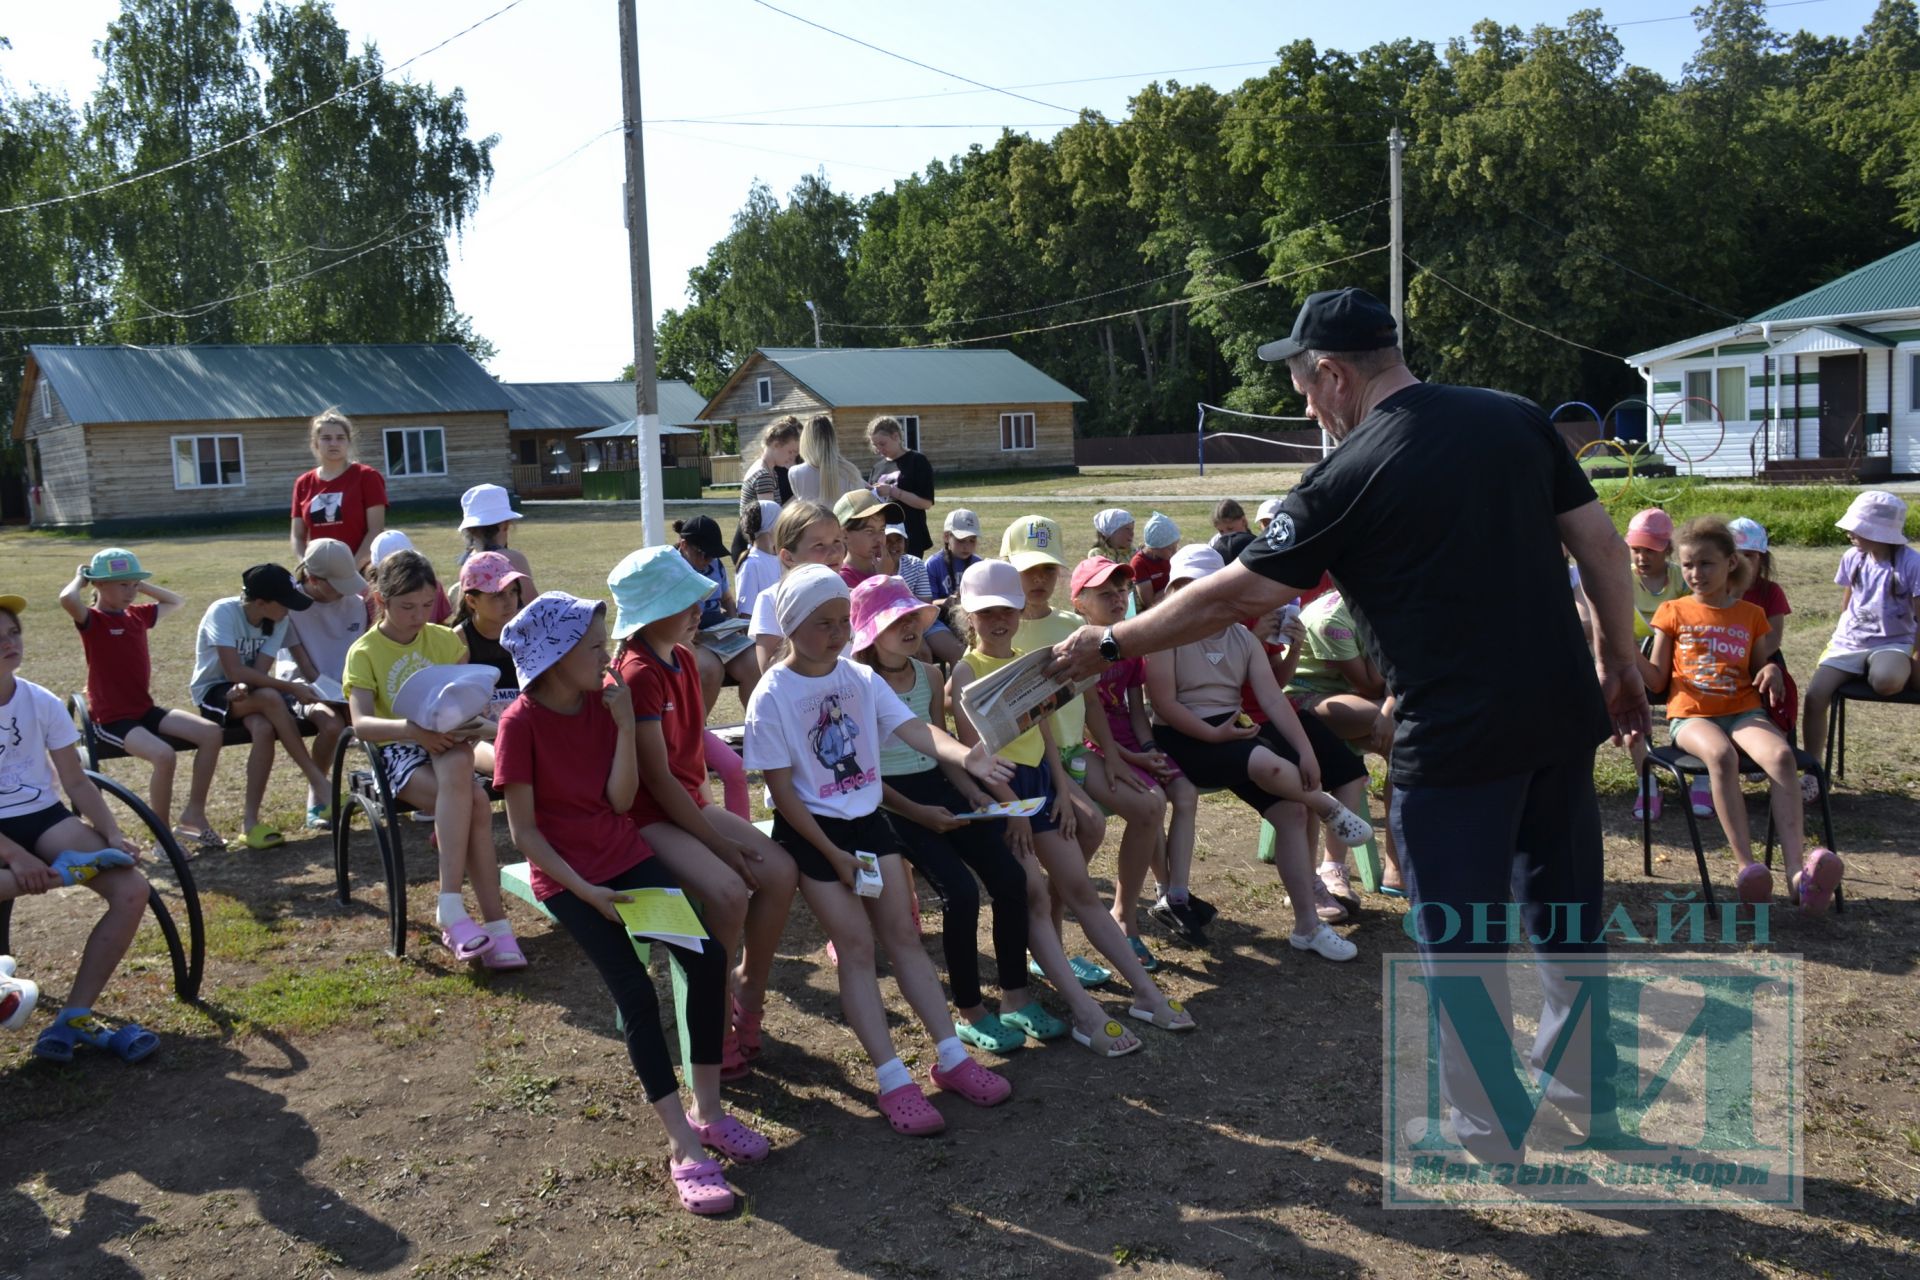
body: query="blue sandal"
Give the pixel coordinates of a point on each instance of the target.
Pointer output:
(129, 1041)
(1144, 956)
(1034, 1021)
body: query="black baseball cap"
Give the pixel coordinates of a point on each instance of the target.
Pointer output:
(1337, 320)
(273, 583)
(704, 534)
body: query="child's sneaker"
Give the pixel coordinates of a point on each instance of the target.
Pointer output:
(1809, 788)
(1647, 805)
(17, 998)
(1326, 906)
(1700, 796)
(1324, 942)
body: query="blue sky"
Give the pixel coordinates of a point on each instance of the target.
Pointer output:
(543, 268)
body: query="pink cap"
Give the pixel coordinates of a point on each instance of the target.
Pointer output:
(1652, 529)
(488, 571)
(880, 602)
(1093, 571)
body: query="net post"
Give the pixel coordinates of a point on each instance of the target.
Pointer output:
(1200, 438)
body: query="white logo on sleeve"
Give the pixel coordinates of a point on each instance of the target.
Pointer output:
(1279, 534)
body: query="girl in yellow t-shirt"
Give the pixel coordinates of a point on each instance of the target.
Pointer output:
(1710, 655)
(433, 772)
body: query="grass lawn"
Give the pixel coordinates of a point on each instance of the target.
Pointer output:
(330, 1111)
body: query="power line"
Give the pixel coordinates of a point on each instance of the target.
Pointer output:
(795, 155)
(1682, 17)
(263, 130)
(1678, 293)
(1262, 283)
(1429, 271)
(924, 66)
(735, 116)
(1125, 288)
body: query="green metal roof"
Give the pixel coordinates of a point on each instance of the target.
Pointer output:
(244, 383)
(570, 406)
(1891, 284)
(630, 429)
(893, 376)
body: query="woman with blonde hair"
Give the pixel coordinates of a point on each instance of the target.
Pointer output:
(765, 477)
(822, 474)
(339, 498)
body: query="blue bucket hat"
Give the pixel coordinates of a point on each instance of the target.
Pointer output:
(1160, 531)
(654, 583)
(116, 564)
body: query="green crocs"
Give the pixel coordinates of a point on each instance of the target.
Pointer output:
(1085, 971)
(991, 1034)
(1035, 1021)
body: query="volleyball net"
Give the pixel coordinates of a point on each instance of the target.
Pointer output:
(1300, 440)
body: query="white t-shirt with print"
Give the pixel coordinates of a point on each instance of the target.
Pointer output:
(32, 723)
(828, 730)
(225, 624)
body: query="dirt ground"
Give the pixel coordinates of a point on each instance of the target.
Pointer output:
(331, 1111)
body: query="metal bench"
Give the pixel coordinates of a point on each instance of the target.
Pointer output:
(1855, 690)
(368, 791)
(1682, 768)
(188, 957)
(97, 748)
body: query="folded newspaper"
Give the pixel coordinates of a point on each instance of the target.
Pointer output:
(1018, 696)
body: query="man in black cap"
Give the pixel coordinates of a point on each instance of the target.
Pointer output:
(1496, 705)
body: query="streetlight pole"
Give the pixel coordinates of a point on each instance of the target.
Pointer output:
(653, 512)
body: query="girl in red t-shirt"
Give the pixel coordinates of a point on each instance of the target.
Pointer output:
(339, 498)
(743, 879)
(1709, 656)
(565, 758)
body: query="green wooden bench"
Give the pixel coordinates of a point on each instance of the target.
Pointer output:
(517, 879)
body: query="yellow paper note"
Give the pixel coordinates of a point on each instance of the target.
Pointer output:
(662, 914)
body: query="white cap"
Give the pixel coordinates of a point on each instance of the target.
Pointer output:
(992, 584)
(1192, 563)
(444, 697)
(385, 543)
(896, 528)
(961, 523)
(1270, 508)
(769, 512)
(1111, 521)
(805, 588)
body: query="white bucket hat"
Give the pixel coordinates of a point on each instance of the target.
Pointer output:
(546, 631)
(486, 504)
(446, 696)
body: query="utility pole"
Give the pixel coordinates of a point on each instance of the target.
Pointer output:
(653, 512)
(1396, 278)
(815, 313)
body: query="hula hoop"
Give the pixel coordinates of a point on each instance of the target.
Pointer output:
(1626, 486)
(1686, 455)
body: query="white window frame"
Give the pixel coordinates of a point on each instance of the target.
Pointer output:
(386, 452)
(1010, 425)
(763, 392)
(173, 459)
(1694, 412)
(909, 429)
(46, 398)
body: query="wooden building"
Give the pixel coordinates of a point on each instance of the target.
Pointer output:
(119, 436)
(1825, 386)
(966, 409)
(551, 420)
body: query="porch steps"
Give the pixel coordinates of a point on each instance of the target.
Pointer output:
(1825, 470)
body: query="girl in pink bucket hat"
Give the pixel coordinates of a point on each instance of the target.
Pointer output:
(1879, 610)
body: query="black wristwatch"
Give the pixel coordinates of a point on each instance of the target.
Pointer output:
(1109, 647)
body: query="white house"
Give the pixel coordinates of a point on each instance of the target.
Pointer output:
(1823, 387)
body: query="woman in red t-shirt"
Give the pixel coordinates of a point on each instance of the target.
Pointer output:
(339, 498)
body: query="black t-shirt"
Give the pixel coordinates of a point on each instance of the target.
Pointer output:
(1439, 490)
(1230, 545)
(489, 653)
(916, 477)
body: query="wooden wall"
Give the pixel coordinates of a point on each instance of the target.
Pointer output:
(955, 438)
(56, 460)
(129, 466)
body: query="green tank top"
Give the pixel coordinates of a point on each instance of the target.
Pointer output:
(896, 757)
(1026, 749)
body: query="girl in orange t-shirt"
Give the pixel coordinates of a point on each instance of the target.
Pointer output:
(1710, 654)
